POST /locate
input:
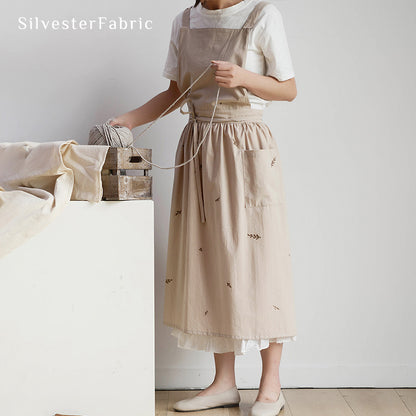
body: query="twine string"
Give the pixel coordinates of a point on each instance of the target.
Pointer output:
(161, 115)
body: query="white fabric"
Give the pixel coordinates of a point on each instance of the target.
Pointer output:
(38, 179)
(223, 344)
(268, 51)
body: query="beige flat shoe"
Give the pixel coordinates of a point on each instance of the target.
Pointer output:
(228, 398)
(268, 409)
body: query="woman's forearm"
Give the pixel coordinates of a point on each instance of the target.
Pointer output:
(150, 110)
(269, 88)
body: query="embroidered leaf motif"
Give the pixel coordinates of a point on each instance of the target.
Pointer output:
(255, 236)
(200, 248)
(274, 161)
(275, 307)
(178, 212)
(229, 284)
(168, 280)
(218, 199)
(206, 312)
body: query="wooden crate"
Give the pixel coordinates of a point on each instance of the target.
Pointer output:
(117, 184)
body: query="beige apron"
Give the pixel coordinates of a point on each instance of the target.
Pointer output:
(228, 263)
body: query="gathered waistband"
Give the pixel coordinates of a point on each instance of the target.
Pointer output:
(223, 113)
(257, 115)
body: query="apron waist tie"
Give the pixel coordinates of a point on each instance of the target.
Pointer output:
(198, 173)
(197, 167)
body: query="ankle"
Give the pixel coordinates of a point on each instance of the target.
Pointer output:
(270, 383)
(224, 384)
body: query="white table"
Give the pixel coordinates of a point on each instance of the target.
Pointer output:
(77, 315)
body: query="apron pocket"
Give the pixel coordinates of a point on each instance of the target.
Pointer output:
(261, 177)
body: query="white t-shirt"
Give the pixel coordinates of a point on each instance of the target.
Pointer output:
(268, 51)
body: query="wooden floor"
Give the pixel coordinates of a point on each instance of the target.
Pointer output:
(309, 402)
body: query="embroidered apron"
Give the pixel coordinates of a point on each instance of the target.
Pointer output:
(228, 270)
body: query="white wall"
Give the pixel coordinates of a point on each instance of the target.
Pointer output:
(347, 147)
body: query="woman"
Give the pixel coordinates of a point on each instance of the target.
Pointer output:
(228, 280)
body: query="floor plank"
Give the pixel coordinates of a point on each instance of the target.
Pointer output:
(375, 402)
(408, 397)
(162, 394)
(316, 402)
(161, 402)
(161, 407)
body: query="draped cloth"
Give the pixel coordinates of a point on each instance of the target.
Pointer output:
(37, 180)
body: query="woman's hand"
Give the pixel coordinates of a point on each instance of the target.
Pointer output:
(121, 121)
(268, 87)
(229, 75)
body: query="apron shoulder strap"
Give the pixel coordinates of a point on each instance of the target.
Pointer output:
(252, 17)
(186, 17)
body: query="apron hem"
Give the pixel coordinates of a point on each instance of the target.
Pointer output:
(216, 334)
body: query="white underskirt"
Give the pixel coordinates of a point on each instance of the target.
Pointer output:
(223, 344)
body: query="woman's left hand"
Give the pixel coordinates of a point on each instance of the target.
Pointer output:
(228, 75)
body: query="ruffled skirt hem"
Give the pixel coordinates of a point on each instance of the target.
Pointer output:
(210, 343)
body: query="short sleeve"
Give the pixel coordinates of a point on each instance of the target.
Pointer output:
(271, 39)
(170, 69)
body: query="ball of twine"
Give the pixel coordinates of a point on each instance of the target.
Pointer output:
(108, 135)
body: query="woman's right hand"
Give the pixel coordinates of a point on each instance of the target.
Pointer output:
(120, 121)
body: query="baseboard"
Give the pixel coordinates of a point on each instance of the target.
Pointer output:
(301, 376)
